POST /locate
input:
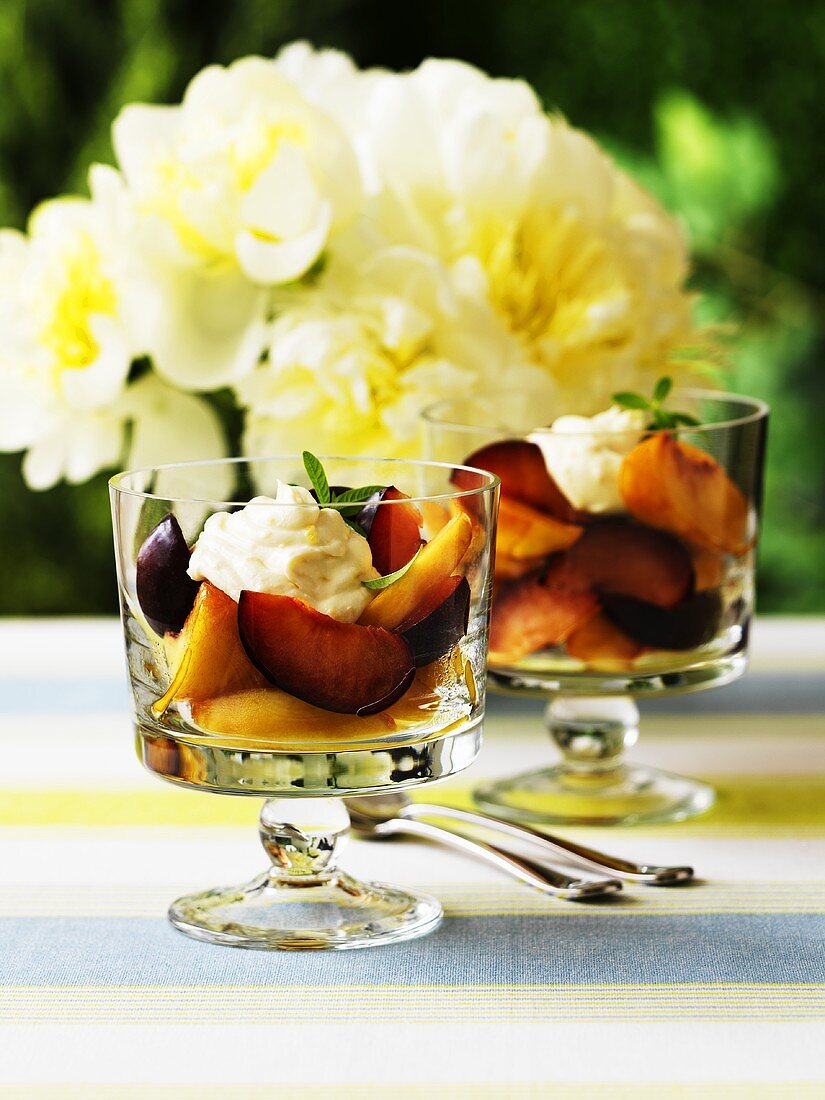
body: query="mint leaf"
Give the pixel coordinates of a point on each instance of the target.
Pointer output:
(355, 526)
(627, 400)
(317, 477)
(662, 389)
(391, 578)
(685, 418)
(357, 499)
(358, 496)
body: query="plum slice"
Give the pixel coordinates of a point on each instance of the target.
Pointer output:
(431, 636)
(342, 667)
(627, 559)
(165, 591)
(524, 476)
(692, 623)
(393, 531)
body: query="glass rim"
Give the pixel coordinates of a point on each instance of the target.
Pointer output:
(759, 410)
(492, 480)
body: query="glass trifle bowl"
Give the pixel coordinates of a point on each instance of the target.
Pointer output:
(624, 568)
(300, 630)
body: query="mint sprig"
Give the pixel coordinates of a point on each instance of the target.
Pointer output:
(660, 418)
(317, 477)
(354, 499)
(391, 578)
(348, 503)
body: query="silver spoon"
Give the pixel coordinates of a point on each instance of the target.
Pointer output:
(397, 806)
(368, 820)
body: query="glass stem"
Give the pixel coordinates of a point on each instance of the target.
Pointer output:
(303, 855)
(592, 734)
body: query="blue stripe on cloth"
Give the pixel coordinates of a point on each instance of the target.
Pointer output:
(520, 950)
(756, 694)
(25, 696)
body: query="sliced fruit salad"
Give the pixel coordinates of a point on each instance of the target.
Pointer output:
(615, 538)
(323, 611)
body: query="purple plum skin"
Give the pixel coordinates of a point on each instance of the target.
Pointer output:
(693, 622)
(165, 591)
(444, 627)
(365, 517)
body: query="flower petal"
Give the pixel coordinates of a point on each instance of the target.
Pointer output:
(211, 329)
(99, 384)
(273, 262)
(169, 426)
(283, 202)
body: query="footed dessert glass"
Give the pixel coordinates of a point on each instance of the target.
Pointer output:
(624, 568)
(298, 653)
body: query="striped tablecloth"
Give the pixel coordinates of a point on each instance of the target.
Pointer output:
(715, 989)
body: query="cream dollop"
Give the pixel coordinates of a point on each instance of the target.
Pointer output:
(584, 455)
(293, 548)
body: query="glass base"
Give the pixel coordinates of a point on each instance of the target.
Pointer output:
(304, 902)
(206, 764)
(333, 912)
(627, 795)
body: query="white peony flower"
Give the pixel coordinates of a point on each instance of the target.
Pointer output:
(238, 188)
(340, 247)
(583, 270)
(353, 360)
(245, 168)
(70, 297)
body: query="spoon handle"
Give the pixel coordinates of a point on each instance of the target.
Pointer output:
(547, 879)
(643, 873)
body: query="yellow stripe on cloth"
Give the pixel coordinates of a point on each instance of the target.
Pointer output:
(747, 805)
(467, 899)
(426, 1004)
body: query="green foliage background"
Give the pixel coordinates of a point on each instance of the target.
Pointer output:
(716, 107)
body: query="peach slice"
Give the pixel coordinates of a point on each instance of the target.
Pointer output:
(524, 477)
(207, 656)
(510, 569)
(436, 515)
(627, 559)
(269, 716)
(342, 667)
(418, 592)
(273, 718)
(600, 643)
(538, 611)
(524, 532)
(682, 489)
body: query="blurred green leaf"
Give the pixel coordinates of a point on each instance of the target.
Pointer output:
(718, 171)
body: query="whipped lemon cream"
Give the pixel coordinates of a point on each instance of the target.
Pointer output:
(584, 455)
(293, 548)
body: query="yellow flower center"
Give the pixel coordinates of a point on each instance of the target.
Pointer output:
(546, 274)
(257, 143)
(247, 154)
(173, 181)
(83, 289)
